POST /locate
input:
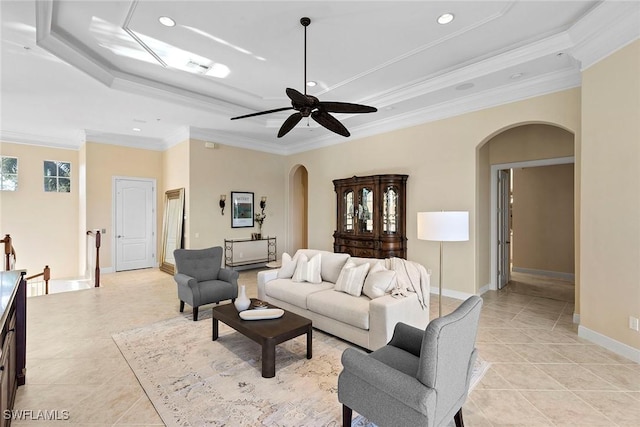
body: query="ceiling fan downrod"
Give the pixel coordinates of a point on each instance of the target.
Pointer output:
(305, 23)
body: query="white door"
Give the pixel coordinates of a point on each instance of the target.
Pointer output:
(504, 186)
(134, 224)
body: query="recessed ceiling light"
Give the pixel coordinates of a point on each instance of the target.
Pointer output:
(445, 18)
(516, 76)
(136, 129)
(311, 83)
(166, 21)
(465, 86)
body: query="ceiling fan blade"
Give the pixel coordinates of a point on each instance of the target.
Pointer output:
(289, 124)
(298, 98)
(328, 121)
(346, 107)
(262, 112)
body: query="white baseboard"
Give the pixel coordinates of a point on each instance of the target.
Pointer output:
(547, 273)
(617, 347)
(576, 318)
(106, 270)
(484, 289)
(451, 294)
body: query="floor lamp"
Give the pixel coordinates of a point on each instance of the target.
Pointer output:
(451, 226)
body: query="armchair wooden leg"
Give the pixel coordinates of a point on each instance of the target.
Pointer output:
(181, 306)
(347, 413)
(195, 314)
(458, 418)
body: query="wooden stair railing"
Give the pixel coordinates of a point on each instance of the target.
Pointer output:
(46, 273)
(97, 271)
(9, 251)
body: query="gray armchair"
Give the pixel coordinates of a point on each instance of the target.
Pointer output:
(201, 280)
(419, 377)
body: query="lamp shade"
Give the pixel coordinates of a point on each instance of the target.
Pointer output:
(451, 226)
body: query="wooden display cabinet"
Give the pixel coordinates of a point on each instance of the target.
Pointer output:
(371, 216)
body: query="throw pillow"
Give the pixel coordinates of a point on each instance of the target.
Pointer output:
(308, 270)
(332, 264)
(379, 281)
(288, 266)
(351, 278)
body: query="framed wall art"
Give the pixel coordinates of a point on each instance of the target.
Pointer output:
(241, 209)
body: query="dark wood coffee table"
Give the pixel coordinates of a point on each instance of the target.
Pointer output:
(268, 333)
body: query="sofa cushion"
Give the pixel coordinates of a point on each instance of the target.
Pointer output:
(288, 266)
(379, 281)
(332, 265)
(351, 279)
(308, 270)
(294, 293)
(340, 306)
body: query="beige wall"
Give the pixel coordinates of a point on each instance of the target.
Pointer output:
(441, 161)
(43, 226)
(175, 174)
(224, 169)
(530, 142)
(104, 162)
(610, 201)
(543, 224)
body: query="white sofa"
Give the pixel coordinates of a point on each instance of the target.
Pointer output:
(361, 320)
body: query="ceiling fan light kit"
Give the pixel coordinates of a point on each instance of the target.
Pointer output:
(310, 106)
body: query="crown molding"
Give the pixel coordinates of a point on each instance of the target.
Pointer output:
(605, 29)
(180, 135)
(40, 140)
(154, 144)
(210, 135)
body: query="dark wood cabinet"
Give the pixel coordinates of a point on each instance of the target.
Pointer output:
(371, 216)
(12, 339)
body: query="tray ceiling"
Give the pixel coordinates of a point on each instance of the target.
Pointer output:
(109, 71)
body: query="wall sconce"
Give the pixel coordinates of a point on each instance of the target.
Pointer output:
(263, 203)
(223, 197)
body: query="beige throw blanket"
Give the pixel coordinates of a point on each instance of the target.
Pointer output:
(410, 277)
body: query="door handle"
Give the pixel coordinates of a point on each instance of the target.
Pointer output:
(119, 236)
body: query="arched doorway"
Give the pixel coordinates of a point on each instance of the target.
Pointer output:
(298, 208)
(525, 151)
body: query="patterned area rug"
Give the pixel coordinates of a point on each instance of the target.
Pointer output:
(193, 381)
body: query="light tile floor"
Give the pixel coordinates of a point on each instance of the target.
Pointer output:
(542, 374)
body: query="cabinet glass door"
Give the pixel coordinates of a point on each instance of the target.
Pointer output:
(390, 210)
(349, 211)
(365, 211)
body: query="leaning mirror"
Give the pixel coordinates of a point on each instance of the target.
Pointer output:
(171, 228)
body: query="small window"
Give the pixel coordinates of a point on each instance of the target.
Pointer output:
(9, 174)
(57, 176)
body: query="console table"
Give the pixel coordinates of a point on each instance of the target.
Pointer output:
(249, 252)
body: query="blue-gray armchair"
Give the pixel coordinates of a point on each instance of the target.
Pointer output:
(420, 378)
(201, 280)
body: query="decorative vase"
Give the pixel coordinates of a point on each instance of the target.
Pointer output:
(242, 302)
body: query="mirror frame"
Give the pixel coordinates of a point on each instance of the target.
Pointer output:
(177, 194)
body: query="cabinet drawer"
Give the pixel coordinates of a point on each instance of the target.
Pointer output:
(364, 253)
(366, 244)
